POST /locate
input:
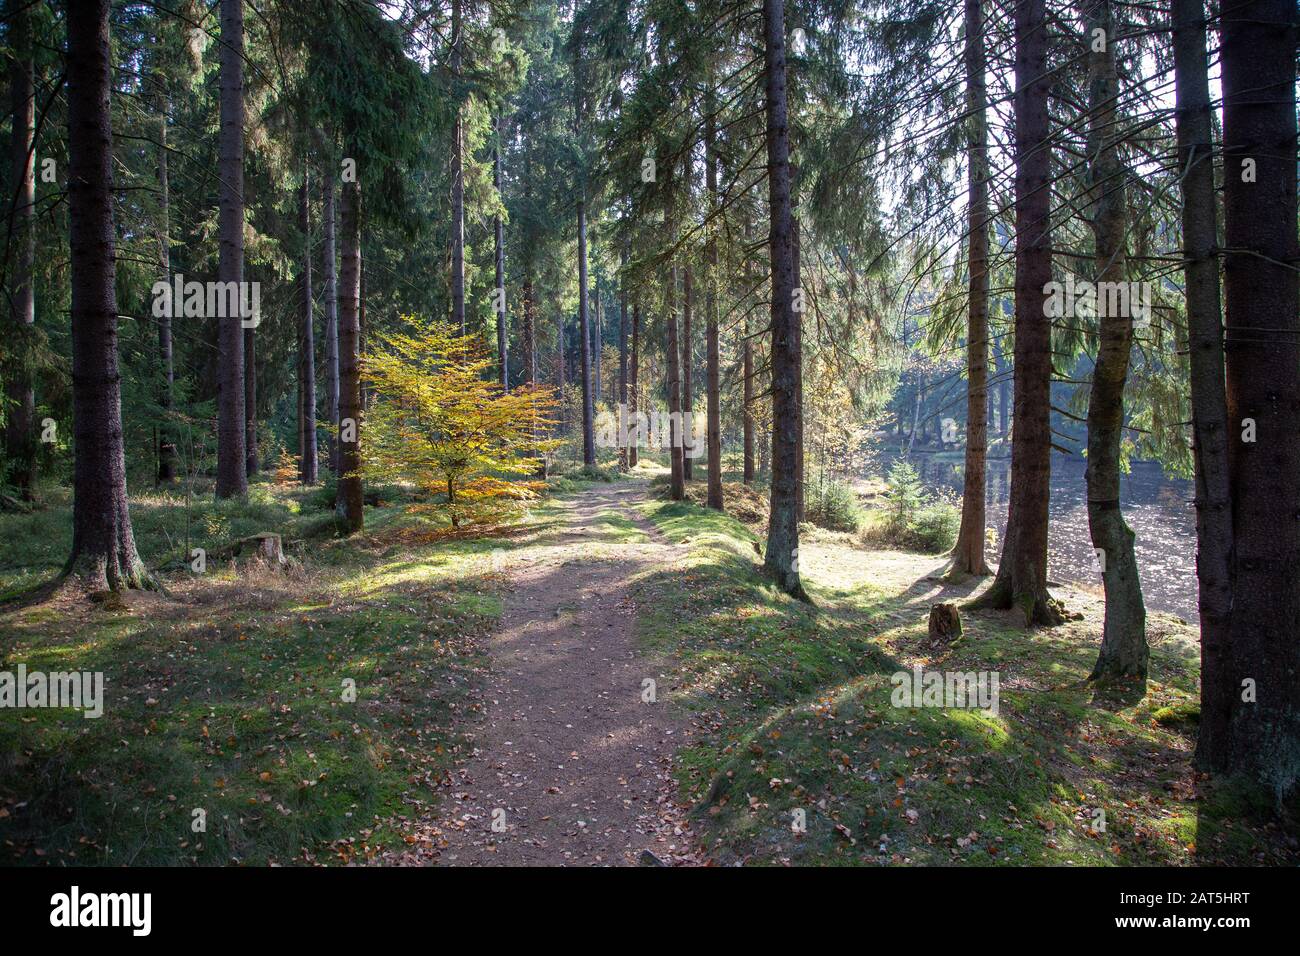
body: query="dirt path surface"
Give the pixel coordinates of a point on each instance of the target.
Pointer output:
(571, 766)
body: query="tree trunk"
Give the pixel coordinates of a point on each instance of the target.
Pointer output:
(633, 399)
(331, 323)
(20, 427)
(232, 474)
(166, 432)
(503, 354)
(1263, 384)
(349, 501)
(1021, 581)
(528, 334)
(103, 544)
(688, 403)
(1124, 652)
(595, 342)
(782, 554)
(747, 402)
(713, 375)
(968, 554)
(307, 343)
(588, 431)
(1209, 398)
(250, 403)
(457, 183)
(622, 356)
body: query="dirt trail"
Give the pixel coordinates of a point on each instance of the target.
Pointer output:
(569, 759)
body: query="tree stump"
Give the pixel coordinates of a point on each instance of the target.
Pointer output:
(265, 545)
(945, 622)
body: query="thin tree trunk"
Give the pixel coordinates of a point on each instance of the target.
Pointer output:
(232, 464)
(1021, 581)
(633, 395)
(596, 343)
(1263, 385)
(671, 349)
(588, 431)
(968, 554)
(713, 384)
(529, 332)
(307, 343)
(457, 183)
(747, 403)
(688, 404)
(1209, 398)
(103, 543)
(622, 357)
(782, 554)
(250, 402)
(1124, 652)
(331, 323)
(503, 354)
(166, 433)
(20, 425)
(349, 504)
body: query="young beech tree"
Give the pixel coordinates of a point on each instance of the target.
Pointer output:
(442, 422)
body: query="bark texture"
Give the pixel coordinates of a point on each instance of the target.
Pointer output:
(781, 557)
(103, 543)
(968, 553)
(1124, 653)
(1021, 581)
(1263, 384)
(232, 474)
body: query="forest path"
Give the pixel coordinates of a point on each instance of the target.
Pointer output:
(569, 763)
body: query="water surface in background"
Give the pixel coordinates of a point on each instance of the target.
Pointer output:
(1159, 509)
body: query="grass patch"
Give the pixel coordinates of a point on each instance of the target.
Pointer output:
(797, 723)
(233, 696)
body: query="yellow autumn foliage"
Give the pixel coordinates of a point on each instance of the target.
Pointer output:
(442, 422)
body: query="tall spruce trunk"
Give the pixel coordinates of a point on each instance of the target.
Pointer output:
(1209, 395)
(677, 472)
(457, 182)
(232, 444)
(1263, 385)
(622, 355)
(633, 384)
(1124, 653)
(103, 554)
(166, 398)
(747, 402)
(596, 344)
(968, 554)
(307, 343)
(688, 402)
(349, 504)
(331, 322)
(503, 347)
(781, 557)
(588, 431)
(20, 425)
(528, 333)
(250, 402)
(713, 374)
(1021, 580)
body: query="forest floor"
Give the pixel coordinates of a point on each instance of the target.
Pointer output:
(503, 678)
